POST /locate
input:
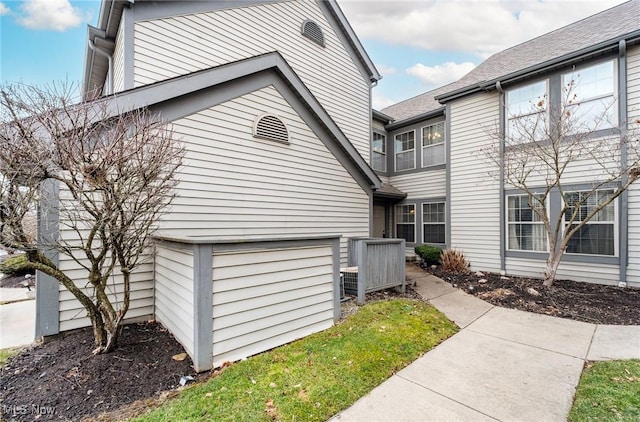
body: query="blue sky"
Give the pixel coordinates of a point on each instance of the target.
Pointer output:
(416, 45)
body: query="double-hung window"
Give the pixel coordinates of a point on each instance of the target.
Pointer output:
(405, 151)
(378, 152)
(406, 222)
(433, 222)
(589, 98)
(598, 235)
(433, 145)
(525, 229)
(526, 113)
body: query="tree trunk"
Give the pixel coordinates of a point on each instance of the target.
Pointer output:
(553, 262)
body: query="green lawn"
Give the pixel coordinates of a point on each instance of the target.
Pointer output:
(5, 354)
(316, 377)
(608, 391)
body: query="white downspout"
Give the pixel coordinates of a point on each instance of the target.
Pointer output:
(110, 58)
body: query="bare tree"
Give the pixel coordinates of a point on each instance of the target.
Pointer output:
(116, 174)
(548, 146)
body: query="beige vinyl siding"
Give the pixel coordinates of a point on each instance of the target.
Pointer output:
(579, 271)
(378, 127)
(236, 186)
(73, 315)
(428, 184)
(169, 47)
(118, 61)
(633, 85)
(174, 293)
(475, 196)
(265, 298)
(633, 269)
(633, 103)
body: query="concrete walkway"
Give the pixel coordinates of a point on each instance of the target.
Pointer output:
(17, 318)
(504, 364)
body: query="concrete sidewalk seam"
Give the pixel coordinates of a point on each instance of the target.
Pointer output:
(446, 397)
(479, 316)
(530, 345)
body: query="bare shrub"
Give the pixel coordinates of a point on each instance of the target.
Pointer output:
(453, 260)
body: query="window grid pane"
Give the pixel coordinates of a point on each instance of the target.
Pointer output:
(405, 222)
(526, 113)
(405, 151)
(590, 100)
(597, 236)
(433, 222)
(378, 152)
(526, 230)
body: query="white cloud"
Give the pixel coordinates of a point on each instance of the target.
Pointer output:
(4, 10)
(386, 70)
(57, 15)
(478, 27)
(441, 74)
(379, 101)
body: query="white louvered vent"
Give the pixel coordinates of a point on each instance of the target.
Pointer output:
(312, 30)
(272, 128)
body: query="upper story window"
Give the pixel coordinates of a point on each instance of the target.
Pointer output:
(525, 229)
(589, 98)
(405, 156)
(598, 235)
(312, 30)
(379, 152)
(526, 113)
(268, 126)
(433, 145)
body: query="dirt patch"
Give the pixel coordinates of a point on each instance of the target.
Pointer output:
(588, 302)
(61, 375)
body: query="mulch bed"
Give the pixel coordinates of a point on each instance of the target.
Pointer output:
(588, 302)
(62, 374)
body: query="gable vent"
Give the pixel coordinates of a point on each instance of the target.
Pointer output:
(272, 128)
(312, 30)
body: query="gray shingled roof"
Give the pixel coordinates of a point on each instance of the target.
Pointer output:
(608, 25)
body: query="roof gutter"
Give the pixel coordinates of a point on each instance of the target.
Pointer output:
(577, 56)
(415, 119)
(109, 88)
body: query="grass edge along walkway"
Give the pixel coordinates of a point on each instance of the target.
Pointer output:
(608, 391)
(316, 377)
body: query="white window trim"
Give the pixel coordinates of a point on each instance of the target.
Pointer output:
(614, 104)
(616, 222)
(507, 223)
(384, 147)
(415, 226)
(507, 115)
(433, 224)
(395, 154)
(444, 136)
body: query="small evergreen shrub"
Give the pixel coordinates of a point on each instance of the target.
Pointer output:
(429, 254)
(454, 261)
(14, 265)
